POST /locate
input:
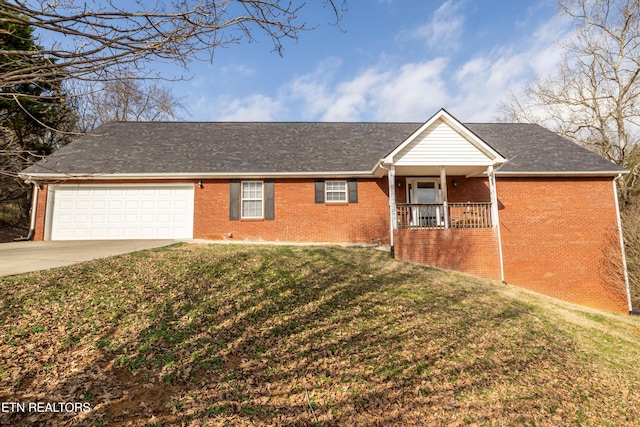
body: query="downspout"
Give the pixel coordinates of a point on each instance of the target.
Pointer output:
(622, 249)
(34, 207)
(392, 202)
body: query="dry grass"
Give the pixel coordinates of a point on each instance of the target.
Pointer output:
(240, 335)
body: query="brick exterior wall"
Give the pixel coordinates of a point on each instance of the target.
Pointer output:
(470, 250)
(559, 235)
(297, 218)
(560, 238)
(41, 209)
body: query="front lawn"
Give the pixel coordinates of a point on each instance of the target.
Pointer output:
(214, 335)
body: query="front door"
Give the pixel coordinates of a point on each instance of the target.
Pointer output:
(426, 193)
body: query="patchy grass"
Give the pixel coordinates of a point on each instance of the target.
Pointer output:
(239, 335)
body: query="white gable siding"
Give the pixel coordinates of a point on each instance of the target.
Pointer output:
(440, 145)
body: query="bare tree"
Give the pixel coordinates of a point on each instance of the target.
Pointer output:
(98, 40)
(594, 97)
(125, 99)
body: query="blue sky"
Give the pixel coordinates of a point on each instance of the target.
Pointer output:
(391, 60)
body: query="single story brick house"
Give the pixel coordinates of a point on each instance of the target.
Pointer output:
(509, 202)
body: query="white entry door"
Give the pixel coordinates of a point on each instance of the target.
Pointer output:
(425, 191)
(87, 212)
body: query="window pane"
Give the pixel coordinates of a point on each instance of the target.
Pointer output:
(252, 209)
(251, 190)
(336, 185)
(336, 197)
(251, 205)
(336, 191)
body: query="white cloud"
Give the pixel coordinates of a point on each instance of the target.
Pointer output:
(444, 30)
(352, 98)
(313, 89)
(238, 69)
(407, 92)
(413, 92)
(255, 108)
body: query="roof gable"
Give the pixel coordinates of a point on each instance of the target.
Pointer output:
(443, 141)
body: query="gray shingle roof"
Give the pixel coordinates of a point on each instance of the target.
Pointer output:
(134, 147)
(255, 148)
(534, 149)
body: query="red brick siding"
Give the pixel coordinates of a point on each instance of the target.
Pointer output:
(557, 235)
(474, 190)
(297, 217)
(41, 209)
(473, 251)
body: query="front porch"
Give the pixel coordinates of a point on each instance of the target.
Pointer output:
(450, 233)
(443, 204)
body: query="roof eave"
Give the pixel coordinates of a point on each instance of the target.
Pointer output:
(558, 173)
(186, 176)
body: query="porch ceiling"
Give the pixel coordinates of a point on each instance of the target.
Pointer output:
(467, 171)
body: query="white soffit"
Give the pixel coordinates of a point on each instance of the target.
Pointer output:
(443, 141)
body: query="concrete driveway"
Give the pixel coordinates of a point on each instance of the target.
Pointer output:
(24, 257)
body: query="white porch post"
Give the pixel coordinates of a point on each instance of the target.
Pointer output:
(494, 197)
(443, 187)
(393, 221)
(495, 220)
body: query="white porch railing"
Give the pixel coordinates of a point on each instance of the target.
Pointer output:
(434, 215)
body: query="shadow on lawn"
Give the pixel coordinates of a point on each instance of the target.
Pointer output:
(282, 335)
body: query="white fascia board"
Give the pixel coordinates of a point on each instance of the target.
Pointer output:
(458, 127)
(560, 173)
(148, 176)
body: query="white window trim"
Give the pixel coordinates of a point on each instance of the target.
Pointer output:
(243, 199)
(413, 182)
(345, 192)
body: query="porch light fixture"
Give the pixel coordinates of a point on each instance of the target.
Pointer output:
(200, 184)
(455, 183)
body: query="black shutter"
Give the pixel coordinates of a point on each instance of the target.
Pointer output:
(319, 190)
(353, 190)
(268, 199)
(234, 202)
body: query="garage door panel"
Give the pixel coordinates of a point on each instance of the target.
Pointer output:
(148, 204)
(90, 212)
(114, 219)
(66, 204)
(164, 204)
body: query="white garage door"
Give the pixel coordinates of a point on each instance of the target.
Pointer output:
(141, 212)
